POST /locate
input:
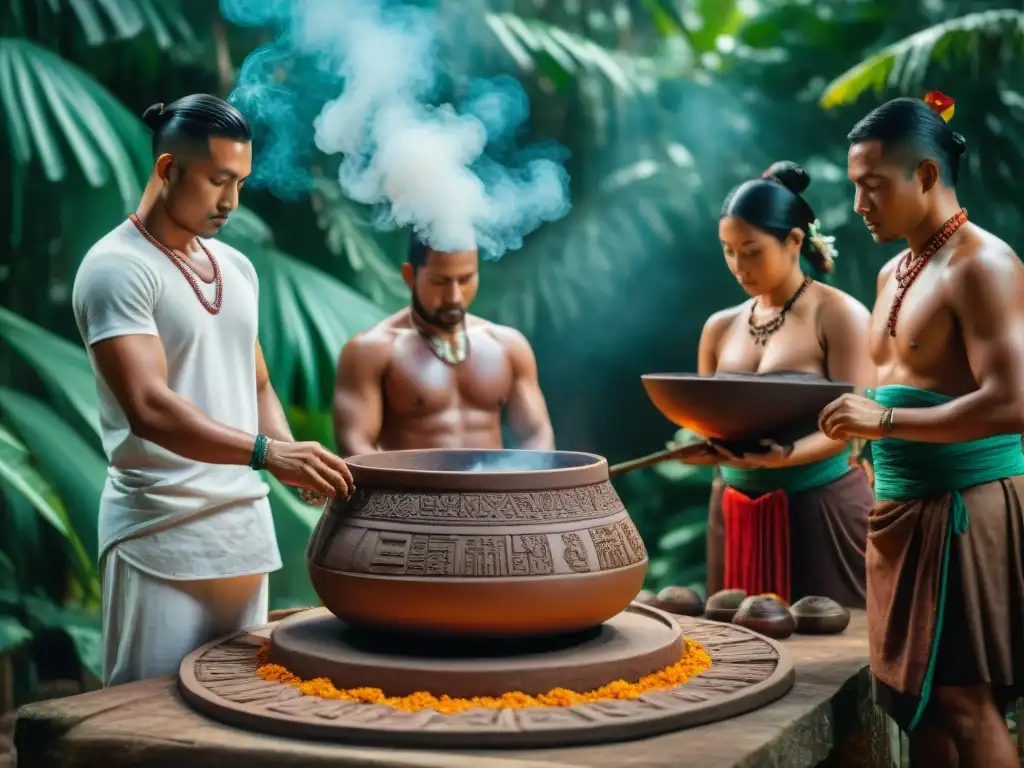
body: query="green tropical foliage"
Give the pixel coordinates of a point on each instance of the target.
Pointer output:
(663, 104)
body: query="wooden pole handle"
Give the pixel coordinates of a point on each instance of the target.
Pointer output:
(669, 454)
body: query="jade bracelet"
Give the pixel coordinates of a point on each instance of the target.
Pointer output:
(259, 452)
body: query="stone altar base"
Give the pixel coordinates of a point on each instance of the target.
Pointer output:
(637, 642)
(826, 716)
(747, 672)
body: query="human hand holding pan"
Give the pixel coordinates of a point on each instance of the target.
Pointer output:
(759, 450)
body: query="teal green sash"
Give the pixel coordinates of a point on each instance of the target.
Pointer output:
(906, 470)
(803, 477)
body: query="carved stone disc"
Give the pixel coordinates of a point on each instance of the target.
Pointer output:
(748, 671)
(638, 641)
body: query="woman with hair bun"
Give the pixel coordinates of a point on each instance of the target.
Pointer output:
(793, 520)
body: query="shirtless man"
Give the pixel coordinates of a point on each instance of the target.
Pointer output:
(945, 556)
(434, 376)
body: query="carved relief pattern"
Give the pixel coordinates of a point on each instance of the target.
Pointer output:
(225, 676)
(575, 553)
(616, 545)
(584, 503)
(632, 537)
(531, 555)
(611, 546)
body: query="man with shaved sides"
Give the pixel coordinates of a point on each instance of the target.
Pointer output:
(945, 549)
(187, 411)
(433, 376)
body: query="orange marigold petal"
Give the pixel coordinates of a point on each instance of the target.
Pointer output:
(694, 661)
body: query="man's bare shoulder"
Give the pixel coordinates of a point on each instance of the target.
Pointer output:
(980, 249)
(506, 335)
(371, 349)
(983, 267)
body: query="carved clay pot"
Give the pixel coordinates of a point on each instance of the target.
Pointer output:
(782, 406)
(486, 543)
(819, 616)
(765, 615)
(723, 604)
(682, 601)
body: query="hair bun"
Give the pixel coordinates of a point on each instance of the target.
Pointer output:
(960, 142)
(153, 115)
(788, 174)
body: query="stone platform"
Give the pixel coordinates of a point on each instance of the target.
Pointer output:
(826, 716)
(747, 672)
(636, 642)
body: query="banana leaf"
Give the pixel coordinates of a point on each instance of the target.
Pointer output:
(13, 635)
(75, 469)
(29, 497)
(83, 627)
(59, 116)
(20, 477)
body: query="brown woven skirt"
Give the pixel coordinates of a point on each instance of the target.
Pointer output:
(981, 639)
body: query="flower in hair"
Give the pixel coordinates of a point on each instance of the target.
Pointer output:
(823, 244)
(944, 106)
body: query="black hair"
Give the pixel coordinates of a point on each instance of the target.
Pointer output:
(774, 203)
(912, 127)
(190, 122)
(418, 252)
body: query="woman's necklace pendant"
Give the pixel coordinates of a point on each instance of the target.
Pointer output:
(762, 332)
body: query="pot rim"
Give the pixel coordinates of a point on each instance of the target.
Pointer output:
(564, 478)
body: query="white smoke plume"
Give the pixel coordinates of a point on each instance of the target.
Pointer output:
(424, 165)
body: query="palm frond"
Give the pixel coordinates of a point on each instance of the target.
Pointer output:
(349, 234)
(306, 316)
(563, 56)
(592, 251)
(63, 366)
(248, 229)
(706, 21)
(58, 116)
(904, 65)
(101, 21)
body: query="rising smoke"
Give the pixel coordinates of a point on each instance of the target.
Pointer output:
(363, 77)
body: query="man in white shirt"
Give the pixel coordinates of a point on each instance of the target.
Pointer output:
(186, 406)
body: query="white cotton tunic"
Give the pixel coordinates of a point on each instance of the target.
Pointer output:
(169, 516)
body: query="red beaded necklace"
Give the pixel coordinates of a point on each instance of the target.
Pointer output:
(187, 271)
(910, 266)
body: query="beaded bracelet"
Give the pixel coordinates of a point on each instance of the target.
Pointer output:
(885, 423)
(259, 452)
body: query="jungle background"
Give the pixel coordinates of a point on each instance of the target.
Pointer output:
(664, 105)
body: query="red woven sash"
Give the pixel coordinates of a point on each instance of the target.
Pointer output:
(756, 543)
